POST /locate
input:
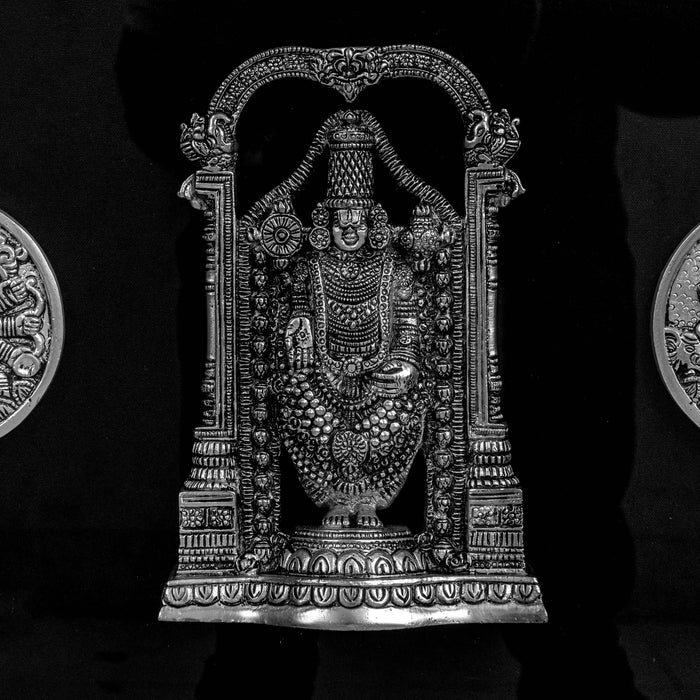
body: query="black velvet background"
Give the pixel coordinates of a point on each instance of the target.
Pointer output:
(91, 99)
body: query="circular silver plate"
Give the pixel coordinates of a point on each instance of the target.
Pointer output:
(31, 323)
(676, 325)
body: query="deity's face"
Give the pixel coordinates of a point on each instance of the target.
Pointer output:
(350, 229)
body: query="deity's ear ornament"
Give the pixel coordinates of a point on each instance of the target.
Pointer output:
(348, 358)
(380, 231)
(319, 235)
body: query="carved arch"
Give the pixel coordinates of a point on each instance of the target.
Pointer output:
(350, 70)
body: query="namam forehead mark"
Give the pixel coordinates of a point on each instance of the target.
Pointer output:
(350, 229)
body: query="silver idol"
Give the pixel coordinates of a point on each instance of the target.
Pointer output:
(351, 343)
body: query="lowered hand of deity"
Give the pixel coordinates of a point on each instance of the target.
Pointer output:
(394, 378)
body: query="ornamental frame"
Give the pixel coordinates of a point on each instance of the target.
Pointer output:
(468, 564)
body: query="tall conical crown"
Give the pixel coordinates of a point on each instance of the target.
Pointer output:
(350, 168)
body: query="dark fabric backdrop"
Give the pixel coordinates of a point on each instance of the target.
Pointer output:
(91, 98)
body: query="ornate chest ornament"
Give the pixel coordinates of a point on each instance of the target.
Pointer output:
(31, 323)
(347, 344)
(676, 325)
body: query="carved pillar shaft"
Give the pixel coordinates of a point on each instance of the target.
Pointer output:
(213, 452)
(494, 508)
(209, 517)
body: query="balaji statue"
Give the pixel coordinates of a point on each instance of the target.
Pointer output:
(349, 343)
(353, 390)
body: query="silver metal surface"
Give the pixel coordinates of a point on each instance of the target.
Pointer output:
(351, 343)
(676, 325)
(31, 323)
(387, 602)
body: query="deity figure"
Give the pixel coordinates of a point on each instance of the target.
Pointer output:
(352, 393)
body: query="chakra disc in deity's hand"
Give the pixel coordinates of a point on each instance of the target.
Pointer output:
(31, 323)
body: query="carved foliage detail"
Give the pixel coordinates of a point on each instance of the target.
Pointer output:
(349, 69)
(509, 515)
(321, 594)
(192, 518)
(353, 562)
(214, 518)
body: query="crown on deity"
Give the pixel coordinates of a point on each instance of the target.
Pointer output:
(350, 167)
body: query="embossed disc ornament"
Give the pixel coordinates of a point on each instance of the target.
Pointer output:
(31, 323)
(676, 325)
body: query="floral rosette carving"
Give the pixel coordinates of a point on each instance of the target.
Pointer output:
(350, 450)
(281, 235)
(349, 70)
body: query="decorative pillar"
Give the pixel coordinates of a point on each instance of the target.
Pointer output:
(494, 501)
(209, 508)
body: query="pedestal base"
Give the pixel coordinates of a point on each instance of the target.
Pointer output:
(359, 539)
(360, 603)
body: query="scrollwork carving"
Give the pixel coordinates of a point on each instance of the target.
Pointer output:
(349, 69)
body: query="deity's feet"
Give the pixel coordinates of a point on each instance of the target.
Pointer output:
(337, 516)
(367, 517)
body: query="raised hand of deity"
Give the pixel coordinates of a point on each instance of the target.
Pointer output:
(298, 340)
